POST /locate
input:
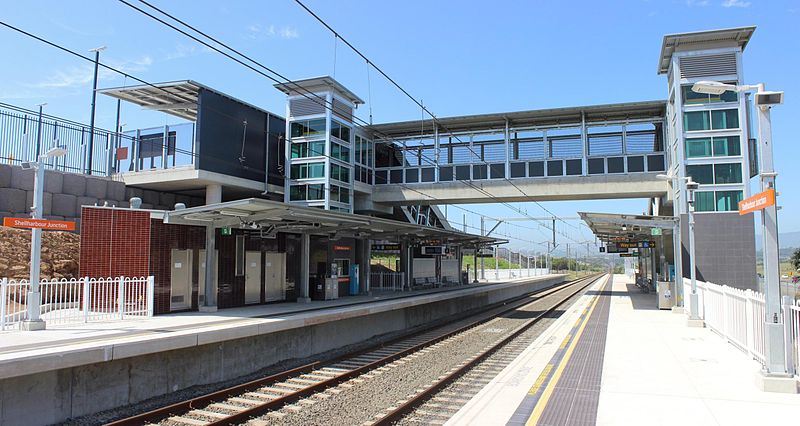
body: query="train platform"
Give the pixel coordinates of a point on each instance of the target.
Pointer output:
(76, 366)
(613, 358)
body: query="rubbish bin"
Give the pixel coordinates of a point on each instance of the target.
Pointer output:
(464, 277)
(666, 294)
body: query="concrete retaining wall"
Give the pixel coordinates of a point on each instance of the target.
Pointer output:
(65, 193)
(57, 395)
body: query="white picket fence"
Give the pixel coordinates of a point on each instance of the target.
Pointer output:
(738, 316)
(394, 281)
(78, 300)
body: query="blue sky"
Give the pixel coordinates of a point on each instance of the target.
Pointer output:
(460, 57)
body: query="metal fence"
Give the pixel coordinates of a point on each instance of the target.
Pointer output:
(24, 134)
(738, 316)
(78, 301)
(21, 129)
(394, 281)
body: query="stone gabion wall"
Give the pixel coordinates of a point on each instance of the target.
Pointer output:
(65, 193)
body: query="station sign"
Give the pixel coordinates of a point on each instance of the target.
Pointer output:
(47, 225)
(386, 248)
(615, 248)
(602, 249)
(757, 202)
(433, 250)
(628, 244)
(646, 244)
(655, 231)
(628, 254)
(486, 252)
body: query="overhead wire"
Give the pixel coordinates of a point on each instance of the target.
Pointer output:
(419, 103)
(296, 86)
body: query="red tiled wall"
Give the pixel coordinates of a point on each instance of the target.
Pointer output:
(114, 242)
(163, 238)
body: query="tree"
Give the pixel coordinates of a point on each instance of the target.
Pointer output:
(795, 259)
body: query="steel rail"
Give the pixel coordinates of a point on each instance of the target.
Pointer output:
(412, 403)
(199, 402)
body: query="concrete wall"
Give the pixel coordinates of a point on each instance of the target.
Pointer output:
(725, 246)
(54, 396)
(65, 193)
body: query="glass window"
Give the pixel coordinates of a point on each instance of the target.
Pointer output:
(316, 192)
(726, 146)
(342, 267)
(702, 174)
(340, 152)
(698, 147)
(704, 201)
(728, 173)
(340, 131)
(696, 120)
(340, 173)
(725, 119)
(308, 128)
(306, 171)
(308, 149)
(691, 97)
(297, 192)
(728, 200)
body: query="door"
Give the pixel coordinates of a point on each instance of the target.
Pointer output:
(201, 275)
(252, 277)
(180, 280)
(275, 276)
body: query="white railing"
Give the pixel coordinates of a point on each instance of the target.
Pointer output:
(794, 335)
(735, 314)
(78, 301)
(393, 281)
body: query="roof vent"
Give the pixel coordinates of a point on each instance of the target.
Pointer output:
(180, 206)
(708, 65)
(136, 203)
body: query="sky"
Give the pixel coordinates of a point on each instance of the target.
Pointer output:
(459, 57)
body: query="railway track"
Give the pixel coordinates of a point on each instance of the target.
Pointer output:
(281, 397)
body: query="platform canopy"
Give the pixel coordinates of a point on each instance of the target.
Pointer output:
(613, 227)
(178, 98)
(267, 218)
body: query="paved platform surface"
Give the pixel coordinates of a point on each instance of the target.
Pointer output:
(97, 341)
(655, 370)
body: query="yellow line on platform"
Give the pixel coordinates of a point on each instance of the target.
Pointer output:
(548, 391)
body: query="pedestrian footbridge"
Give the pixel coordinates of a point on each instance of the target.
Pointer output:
(594, 152)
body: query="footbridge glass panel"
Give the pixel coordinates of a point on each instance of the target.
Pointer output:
(520, 153)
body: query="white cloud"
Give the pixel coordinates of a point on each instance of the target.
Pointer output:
(735, 3)
(258, 32)
(700, 3)
(79, 76)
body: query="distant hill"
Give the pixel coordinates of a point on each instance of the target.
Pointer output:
(786, 240)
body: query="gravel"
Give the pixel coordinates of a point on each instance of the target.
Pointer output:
(360, 400)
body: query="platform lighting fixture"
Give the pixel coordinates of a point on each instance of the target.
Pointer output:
(34, 320)
(777, 362)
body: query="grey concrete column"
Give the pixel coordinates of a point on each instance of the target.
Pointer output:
(366, 268)
(213, 193)
(210, 300)
(305, 260)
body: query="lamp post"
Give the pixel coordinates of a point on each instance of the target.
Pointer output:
(96, 51)
(776, 359)
(694, 301)
(33, 321)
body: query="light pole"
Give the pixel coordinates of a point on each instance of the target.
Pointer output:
(776, 359)
(33, 320)
(96, 51)
(694, 302)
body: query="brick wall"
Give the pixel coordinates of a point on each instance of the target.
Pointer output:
(163, 239)
(114, 242)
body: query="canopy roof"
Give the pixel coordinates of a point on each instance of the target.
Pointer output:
(610, 226)
(273, 216)
(672, 42)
